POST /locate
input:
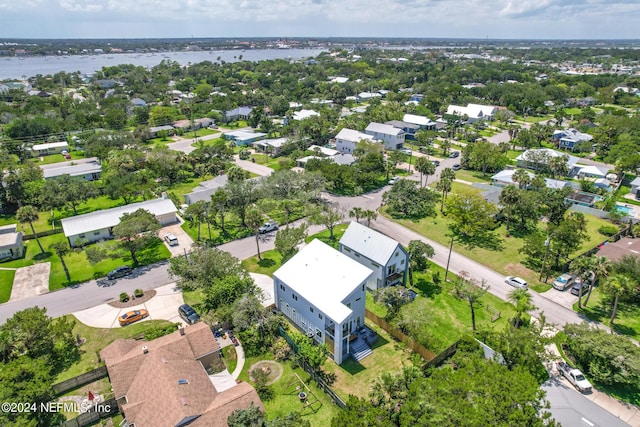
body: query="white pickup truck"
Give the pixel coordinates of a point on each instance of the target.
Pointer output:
(575, 377)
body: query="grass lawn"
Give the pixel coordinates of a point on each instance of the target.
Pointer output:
(356, 378)
(285, 398)
(507, 260)
(473, 176)
(58, 158)
(99, 338)
(6, 283)
(324, 236)
(263, 159)
(571, 111)
(627, 321)
(230, 358)
(269, 263)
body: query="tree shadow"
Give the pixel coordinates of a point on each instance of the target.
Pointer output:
(42, 256)
(427, 288)
(352, 366)
(489, 241)
(266, 263)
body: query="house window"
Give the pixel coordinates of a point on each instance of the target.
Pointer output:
(96, 233)
(357, 255)
(346, 249)
(320, 316)
(294, 296)
(82, 236)
(396, 253)
(311, 309)
(358, 299)
(319, 333)
(348, 305)
(363, 287)
(282, 287)
(402, 262)
(373, 264)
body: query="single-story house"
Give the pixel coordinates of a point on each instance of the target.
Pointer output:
(243, 137)
(154, 130)
(505, 177)
(184, 124)
(582, 198)
(474, 112)
(424, 122)
(381, 254)
(392, 137)
(615, 251)
(538, 158)
(11, 245)
(603, 183)
(205, 190)
(166, 383)
(304, 114)
(338, 79)
(323, 151)
(322, 292)
(569, 138)
(367, 96)
(89, 171)
(302, 162)
(270, 146)
(592, 172)
(99, 225)
(240, 113)
(203, 122)
(343, 159)
(347, 140)
(49, 148)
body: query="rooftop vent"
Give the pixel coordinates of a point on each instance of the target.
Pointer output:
(182, 382)
(181, 331)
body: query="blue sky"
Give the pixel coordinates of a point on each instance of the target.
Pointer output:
(529, 19)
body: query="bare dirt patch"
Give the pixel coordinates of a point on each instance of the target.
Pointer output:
(133, 300)
(272, 368)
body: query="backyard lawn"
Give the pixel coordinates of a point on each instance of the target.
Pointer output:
(99, 338)
(285, 399)
(356, 378)
(627, 321)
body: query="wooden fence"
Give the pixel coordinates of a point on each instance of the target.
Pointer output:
(80, 380)
(426, 354)
(101, 410)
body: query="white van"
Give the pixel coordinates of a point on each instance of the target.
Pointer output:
(171, 239)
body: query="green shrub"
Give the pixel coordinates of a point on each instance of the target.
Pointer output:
(124, 297)
(160, 331)
(138, 293)
(608, 230)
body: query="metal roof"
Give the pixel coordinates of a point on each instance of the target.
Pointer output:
(48, 145)
(324, 277)
(73, 170)
(384, 129)
(353, 135)
(369, 243)
(100, 220)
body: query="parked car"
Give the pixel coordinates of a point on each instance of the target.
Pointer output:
(456, 167)
(123, 270)
(575, 377)
(407, 151)
(436, 162)
(394, 180)
(423, 149)
(454, 154)
(132, 316)
(188, 314)
(171, 239)
(516, 282)
(575, 289)
(563, 282)
(268, 227)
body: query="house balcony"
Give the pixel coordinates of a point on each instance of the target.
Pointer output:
(394, 277)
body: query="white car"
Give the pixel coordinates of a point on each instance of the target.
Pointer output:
(394, 180)
(268, 227)
(516, 282)
(171, 239)
(564, 282)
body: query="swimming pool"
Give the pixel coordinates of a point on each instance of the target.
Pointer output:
(625, 210)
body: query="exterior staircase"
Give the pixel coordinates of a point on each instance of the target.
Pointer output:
(360, 349)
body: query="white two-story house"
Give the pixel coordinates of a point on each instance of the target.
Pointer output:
(347, 140)
(392, 137)
(322, 292)
(387, 258)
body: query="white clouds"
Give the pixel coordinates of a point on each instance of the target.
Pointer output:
(403, 18)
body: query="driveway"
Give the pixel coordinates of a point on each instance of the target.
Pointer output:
(31, 281)
(253, 167)
(265, 283)
(564, 298)
(184, 240)
(164, 305)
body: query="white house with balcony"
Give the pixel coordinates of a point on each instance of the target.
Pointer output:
(347, 140)
(384, 256)
(322, 292)
(392, 137)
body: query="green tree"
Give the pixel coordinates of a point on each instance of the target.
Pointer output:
(249, 417)
(369, 215)
(288, 240)
(329, 215)
(136, 231)
(254, 220)
(601, 268)
(419, 252)
(314, 355)
(522, 300)
(62, 249)
(618, 286)
(220, 206)
(509, 197)
(29, 214)
(470, 291)
(195, 214)
(393, 298)
(356, 213)
(425, 167)
(406, 199)
(204, 267)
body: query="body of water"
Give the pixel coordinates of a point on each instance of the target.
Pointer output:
(17, 67)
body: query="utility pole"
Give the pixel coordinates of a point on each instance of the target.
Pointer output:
(547, 244)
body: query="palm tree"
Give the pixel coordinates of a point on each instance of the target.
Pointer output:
(254, 220)
(521, 298)
(425, 167)
(369, 215)
(509, 197)
(61, 249)
(356, 213)
(617, 286)
(29, 214)
(581, 268)
(601, 268)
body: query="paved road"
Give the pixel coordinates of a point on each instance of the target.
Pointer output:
(572, 409)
